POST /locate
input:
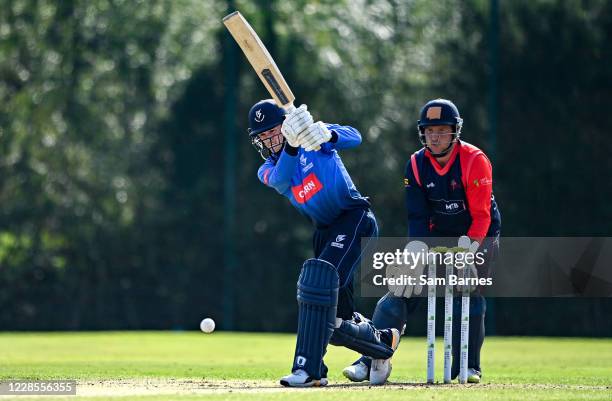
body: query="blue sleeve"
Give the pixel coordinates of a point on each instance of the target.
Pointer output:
(346, 137)
(278, 175)
(416, 205)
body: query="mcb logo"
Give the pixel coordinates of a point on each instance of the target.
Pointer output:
(451, 207)
(309, 187)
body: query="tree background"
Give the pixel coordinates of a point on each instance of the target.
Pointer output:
(128, 191)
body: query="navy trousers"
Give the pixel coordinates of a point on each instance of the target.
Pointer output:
(340, 245)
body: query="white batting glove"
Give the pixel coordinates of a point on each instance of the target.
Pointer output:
(466, 243)
(471, 247)
(316, 135)
(295, 124)
(414, 269)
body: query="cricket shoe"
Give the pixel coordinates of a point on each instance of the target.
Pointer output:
(381, 368)
(357, 372)
(473, 376)
(300, 378)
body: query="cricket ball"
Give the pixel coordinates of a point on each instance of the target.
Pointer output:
(207, 325)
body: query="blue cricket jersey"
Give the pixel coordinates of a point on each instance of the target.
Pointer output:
(316, 183)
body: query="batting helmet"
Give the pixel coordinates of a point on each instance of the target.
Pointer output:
(440, 112)
(264, 115)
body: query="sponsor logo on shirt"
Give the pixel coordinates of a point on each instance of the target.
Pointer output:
(448, 207)
(406, 183)
(431, 185)
(483, 182)
(307, 189)
(338, 242)
(451, 207)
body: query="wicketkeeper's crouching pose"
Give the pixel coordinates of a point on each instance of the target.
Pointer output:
(449, 193)
(302, 164)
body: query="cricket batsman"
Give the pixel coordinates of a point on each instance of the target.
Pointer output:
(449, 193)
(302, 164)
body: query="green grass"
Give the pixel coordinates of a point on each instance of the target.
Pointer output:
(521, 368)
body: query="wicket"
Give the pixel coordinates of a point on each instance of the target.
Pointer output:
(448, 324)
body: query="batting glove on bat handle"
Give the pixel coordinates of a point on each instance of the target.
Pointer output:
(316, 135)
(295, 124)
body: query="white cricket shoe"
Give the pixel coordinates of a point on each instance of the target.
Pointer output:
(473, 376)
(357, 372)
(300, 378)
(381, 368)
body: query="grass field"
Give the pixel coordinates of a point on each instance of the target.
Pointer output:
(246, 366)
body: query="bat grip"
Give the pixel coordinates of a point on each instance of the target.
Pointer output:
(289, 108)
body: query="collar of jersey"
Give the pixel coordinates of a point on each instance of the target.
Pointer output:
(439, 169)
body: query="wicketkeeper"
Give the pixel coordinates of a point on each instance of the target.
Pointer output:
(449, 193)
(302, 163)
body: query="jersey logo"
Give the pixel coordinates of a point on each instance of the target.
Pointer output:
(454, 185)
(266, 174)
(307, 189)
(451, 207)
(431, 185)
(448, 207)
(338, 242)
(305, 165)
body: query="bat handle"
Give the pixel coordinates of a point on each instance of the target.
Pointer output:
(289, 108)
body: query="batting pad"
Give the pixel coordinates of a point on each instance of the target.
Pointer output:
(391, 311)
(317, 296)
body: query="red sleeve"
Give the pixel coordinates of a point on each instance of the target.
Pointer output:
(478, 193)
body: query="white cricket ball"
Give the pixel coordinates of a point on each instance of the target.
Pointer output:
(207, 325)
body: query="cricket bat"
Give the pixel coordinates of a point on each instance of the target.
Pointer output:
(260, 59)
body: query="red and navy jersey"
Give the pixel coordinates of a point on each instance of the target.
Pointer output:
(453, 200)
(317, 183)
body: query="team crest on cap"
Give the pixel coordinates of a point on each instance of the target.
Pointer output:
(259, 116)
(434, 113)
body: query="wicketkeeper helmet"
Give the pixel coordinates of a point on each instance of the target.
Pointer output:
(439, 112)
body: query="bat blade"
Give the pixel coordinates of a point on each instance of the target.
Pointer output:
(260, 59)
